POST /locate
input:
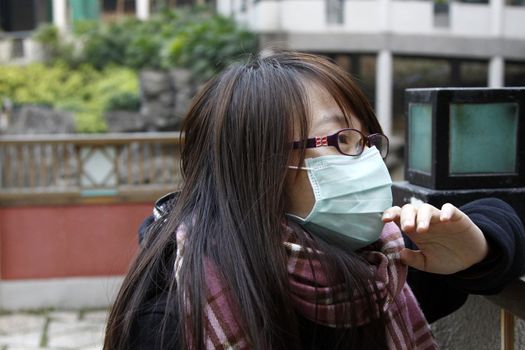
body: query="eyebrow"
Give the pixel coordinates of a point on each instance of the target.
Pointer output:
(333, 117)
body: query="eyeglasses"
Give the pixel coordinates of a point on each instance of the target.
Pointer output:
(350, 142)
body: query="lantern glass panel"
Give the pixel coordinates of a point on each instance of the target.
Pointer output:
(483, 138)
(420, 137)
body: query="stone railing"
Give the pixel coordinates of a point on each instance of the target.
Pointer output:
(78, 168)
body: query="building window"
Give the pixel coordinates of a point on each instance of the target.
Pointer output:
(335, 11)
(515, 2)
(514, 73)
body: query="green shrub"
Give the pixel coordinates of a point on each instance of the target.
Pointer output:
(208, 46)
(83, 77)
(126, 100)
(85, 91)
(197, 39)
(55, 47)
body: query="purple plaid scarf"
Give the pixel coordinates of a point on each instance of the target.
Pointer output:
(319, 301)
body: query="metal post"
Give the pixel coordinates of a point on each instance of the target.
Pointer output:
(507, 330)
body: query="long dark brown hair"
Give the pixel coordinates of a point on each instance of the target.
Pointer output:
(234, 162)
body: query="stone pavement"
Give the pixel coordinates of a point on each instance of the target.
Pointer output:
(53, 330)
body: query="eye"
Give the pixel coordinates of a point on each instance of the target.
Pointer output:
(343, 138)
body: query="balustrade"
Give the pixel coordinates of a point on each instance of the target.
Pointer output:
(88, 166)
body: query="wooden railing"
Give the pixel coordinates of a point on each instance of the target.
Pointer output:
(511, 302)
(80, 168)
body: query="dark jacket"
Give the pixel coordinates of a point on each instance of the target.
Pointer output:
(438, 295)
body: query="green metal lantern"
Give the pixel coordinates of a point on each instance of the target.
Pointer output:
(465, 138)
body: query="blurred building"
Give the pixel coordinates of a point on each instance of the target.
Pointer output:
(469, 43)
(388, 45)
(18, 18)
(26, 15)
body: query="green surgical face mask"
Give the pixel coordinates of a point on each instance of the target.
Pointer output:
(351, 194)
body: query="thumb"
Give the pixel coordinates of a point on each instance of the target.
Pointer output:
(413, 258)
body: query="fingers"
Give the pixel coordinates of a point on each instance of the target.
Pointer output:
(407, 219)
(391, 214)
(450, 213)
(427, 214)
(411, 219)
(413, 258)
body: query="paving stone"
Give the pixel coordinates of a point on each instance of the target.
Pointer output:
(23, 331)
(26, 339)
(66, 316)
(77, 340)
(29, 348)
(94, 347)
(20, 323)
(73, 336)
(61, 327)
(96, 316)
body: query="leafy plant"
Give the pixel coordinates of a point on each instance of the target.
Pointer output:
(194, 38)
(82, 75)
(85, 91)
(207, 46)
(106, 44)
(55, 46)
(125, 100)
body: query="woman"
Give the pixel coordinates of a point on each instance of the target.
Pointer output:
(276, 240)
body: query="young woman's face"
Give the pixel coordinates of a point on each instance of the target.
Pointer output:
(326, 118)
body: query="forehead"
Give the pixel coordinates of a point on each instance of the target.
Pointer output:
(325, 114)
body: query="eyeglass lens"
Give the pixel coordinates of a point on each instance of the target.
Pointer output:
(352, 142)
(381, 143)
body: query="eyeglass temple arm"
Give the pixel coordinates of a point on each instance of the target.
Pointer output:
(318, 141)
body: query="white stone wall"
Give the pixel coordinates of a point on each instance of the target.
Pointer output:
(412, 16)
(266, 16)
(362, 16)
(470, 19)
(303, 15)
(514, 22)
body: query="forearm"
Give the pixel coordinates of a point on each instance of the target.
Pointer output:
(505, 234)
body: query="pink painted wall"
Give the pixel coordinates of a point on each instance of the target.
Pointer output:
(69, 241)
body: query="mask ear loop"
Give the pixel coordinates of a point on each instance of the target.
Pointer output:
(298, 167)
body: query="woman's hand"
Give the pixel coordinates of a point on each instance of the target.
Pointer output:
(447, 239)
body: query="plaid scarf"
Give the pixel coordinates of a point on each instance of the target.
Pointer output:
(319, 300)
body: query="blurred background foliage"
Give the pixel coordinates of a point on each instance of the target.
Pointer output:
(94, 68)
(84, 90)
(195, 38)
